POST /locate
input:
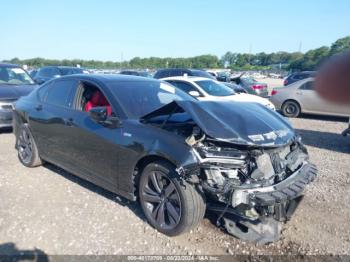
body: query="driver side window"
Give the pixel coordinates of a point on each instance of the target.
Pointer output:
(90, 96)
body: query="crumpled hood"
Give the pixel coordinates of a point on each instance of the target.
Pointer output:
(233, 122)
(15, 91)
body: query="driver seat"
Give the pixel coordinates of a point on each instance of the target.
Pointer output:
(98, 99)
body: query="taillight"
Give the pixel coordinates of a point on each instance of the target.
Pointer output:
(285, 82)
(255, 87)
(273, 92)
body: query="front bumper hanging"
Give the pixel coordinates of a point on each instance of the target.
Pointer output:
(288, 189)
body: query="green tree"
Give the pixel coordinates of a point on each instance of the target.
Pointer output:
(340, 46)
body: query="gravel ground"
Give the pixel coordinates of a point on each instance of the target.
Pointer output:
(49, 210)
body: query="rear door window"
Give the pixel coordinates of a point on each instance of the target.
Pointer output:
(307, 86)
(59, 93)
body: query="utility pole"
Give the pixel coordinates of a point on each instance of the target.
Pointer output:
(250, 51)
(121, 60)
(300, 46)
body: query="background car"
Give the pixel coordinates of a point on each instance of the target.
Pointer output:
(49, 72)
(169, 72)
(251, 86)
(301, 97)
(136, 73)
(238, 89)
(33, 72)
(207, 89)
(14, 83)
(292, 78)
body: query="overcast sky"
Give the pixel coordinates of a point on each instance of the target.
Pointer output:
(104, 30)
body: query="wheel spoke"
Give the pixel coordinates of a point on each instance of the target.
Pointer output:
(155, 182)
(27, 151)
(159, 180)
(151, 198)
(25, 136)
(149, 191)
(160, 215)
(169, 189)
(155, 211)
(172, 213)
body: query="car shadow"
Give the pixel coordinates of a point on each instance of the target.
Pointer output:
(132, 205)
(9, 252)
(6, 130)
(325, 140)
(325, 118)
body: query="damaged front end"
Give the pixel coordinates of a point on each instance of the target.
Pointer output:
(253, 190)
(251, 166)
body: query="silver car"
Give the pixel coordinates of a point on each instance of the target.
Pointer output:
(300, 97)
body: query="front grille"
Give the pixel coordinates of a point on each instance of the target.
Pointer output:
(7, 107)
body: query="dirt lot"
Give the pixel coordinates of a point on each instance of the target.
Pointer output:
(52, 211)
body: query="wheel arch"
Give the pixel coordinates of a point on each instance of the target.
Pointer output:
(142, 163)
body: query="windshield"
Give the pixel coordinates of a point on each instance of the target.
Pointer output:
(14, 76)
(71, 71)
(138, 98)
(201, 73)
(214, 88)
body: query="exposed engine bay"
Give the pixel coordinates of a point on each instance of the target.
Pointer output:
(251, 181)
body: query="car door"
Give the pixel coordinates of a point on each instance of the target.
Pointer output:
(93, 147)
(51, 121)
(305, 95)
(313, 103)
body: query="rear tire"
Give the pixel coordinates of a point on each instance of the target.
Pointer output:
(170, 204)
(27, 150)
(291, 109)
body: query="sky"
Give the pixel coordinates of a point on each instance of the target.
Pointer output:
(115, 30)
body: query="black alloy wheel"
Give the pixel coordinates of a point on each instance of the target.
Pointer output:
(162, 200)
(170, 204)
(26, 147)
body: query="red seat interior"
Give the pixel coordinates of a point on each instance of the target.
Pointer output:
(98, 99)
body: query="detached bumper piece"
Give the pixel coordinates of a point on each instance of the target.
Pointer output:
(278, 201)
(286, 190)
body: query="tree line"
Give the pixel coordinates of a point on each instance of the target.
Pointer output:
(291, 61)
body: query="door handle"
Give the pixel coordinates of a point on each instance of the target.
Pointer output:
(39, 108)
(69, 122)
(299, 93)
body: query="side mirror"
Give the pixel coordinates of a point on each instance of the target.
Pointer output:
(100, 116)
(39, 81)
(194, 93)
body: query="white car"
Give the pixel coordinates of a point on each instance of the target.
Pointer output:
(207, 89)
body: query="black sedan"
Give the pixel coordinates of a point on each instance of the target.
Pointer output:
(148, 141)
(14, 83)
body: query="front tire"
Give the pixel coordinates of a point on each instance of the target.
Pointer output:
(291, 109)
(28, 153)
(170, 204)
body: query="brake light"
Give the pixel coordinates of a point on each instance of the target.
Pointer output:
(256, 87)
(273, 92)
